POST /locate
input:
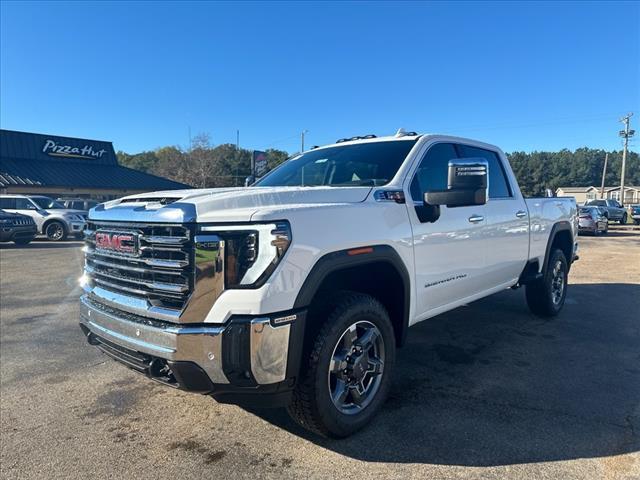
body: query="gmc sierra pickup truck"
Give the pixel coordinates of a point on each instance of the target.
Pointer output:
(298, 290)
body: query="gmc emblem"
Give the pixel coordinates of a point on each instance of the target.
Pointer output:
(126, 243)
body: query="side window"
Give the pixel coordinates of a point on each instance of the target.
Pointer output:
(24, 204)
(433, 170)
(78, 205)
(8, 203)
(498, 184)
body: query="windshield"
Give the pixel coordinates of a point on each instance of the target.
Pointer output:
(45, 202)
(366, 164)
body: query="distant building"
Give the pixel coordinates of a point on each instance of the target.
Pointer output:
(33, 163)
(582, 194)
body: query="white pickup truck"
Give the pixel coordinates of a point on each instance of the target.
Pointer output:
(298, 290)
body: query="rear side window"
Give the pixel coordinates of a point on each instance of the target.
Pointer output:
(79, 205)
(8, 203)
(433, 171)
(24, 204)
(498, 184)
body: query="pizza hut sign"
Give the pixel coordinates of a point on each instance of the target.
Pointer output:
(55, 149)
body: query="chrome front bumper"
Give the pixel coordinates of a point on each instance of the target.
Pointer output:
(209, 347)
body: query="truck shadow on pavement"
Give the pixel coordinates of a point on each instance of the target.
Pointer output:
(490, 384)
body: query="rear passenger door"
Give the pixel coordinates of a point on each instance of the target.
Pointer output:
(507, 227)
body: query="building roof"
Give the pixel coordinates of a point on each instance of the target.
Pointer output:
(32, 159)
(77, 174)
(575, 189)
(626, 187)
(585, 189)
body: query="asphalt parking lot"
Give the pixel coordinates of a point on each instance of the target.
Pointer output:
(485, 391)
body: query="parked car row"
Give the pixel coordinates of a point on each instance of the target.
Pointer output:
(56, 219)
(612, 209)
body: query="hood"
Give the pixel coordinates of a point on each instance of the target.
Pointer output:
(221, 204)
(4, 214)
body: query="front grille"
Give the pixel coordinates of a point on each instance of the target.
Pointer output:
(22, 221)
(161, 271)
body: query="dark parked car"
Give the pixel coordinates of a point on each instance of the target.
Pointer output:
(615, 211)
(635, 214)
(16, 228)
(592, 220)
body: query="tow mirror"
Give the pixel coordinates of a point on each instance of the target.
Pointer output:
(467, 184)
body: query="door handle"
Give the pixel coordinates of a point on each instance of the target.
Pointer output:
(521, 214)
(476, 218)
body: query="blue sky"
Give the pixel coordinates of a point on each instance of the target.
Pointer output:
(525, 76)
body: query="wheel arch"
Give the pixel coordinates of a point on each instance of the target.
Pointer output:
(377, 270)
(561, 237)
(49, 221)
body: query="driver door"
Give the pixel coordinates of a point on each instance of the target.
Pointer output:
(450, 252)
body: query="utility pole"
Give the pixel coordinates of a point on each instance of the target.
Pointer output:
(302, 140)
(604, 174)
(235, 180)
(626, 134)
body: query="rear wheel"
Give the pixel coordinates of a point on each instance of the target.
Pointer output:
(55, 231)
(545, 297)
(347, 376)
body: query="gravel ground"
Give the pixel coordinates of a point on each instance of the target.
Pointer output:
(485, 391)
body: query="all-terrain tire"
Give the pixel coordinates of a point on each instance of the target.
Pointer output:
(545, 297)
(312, 406)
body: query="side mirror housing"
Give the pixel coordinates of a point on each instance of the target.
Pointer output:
(467, 184)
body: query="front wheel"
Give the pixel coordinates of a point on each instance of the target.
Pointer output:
(347, 376)
(623, 220)
(55, 231)
(545, 297)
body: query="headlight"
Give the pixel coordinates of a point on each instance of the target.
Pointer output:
(252, 252)
(6, 221)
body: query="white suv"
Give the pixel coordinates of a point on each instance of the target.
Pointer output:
(52, 219)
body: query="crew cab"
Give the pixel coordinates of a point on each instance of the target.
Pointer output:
(298, 290)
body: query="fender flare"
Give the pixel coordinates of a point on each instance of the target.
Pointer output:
(340, 260)
(558, 227)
